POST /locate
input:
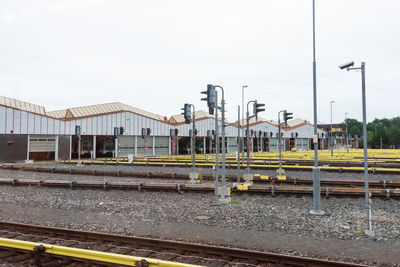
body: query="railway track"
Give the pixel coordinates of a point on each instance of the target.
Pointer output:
(175, 251)
(272, 190)
(253, 165)
(328, 166)
(203, 176)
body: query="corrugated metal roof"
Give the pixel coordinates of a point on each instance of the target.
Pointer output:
(99, 109)
(200, 114)
(295, 122)
(253, 120)
(21, 105)
(59, 114)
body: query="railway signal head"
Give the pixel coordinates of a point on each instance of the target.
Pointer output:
(77, 130)
(257, 107)
(148, 131)
(116, 132)
(211, 98)
(171, 132)
(287, 116)
(121, 130)
(187, 112)
(144, 132)
(176, 132)
(195, 132)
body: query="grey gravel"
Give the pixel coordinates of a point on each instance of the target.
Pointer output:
(280, 224)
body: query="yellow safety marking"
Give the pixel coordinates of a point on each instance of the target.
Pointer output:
(89, 254)
(242, 187)
(264, 177)
(281, 178)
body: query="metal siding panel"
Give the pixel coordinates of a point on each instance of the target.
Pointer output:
(56, 124)
(43, 129)
(50, 124)
(71, 127)
(17, 122)
(36, 129)
(93, 126)
(62, 127)
(109, 125)
(117, 120)
(102, 125)
(113, 122)
(2, 120)
(131, 124)
(31, 123)
(24, 123)
(9, 121)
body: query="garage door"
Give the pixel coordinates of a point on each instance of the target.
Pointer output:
(126, 146)
(232, 144)
(42, 143)
(273, 144)
(141, 146)
(161, 145)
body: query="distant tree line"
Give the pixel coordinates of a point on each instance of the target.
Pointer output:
(385, 132)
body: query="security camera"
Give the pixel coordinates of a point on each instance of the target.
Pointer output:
(346, 65)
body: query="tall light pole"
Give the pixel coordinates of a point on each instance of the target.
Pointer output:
(243, 87)
(331, 139)
(248, 136)
(347, 131)
(316, 170)
(349, 66)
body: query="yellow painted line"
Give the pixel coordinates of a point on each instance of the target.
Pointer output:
(89, 254)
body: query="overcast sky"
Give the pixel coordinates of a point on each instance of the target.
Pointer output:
(157, 55)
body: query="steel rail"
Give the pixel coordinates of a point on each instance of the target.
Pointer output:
(235, 253)
(264, 189)
(202, 176)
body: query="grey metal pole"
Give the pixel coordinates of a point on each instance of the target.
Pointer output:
(279, 143)
(347, 132)
(216, 149)
(331, 139)
(193, 144)
(223, 144)
(316, 170)
(248, 145)
(238, 147)
(79, 148)
(364, 106)
(244, 86)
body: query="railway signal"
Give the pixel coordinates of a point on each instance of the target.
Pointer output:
(287, 116)
(78, 133)
(257, 107)
(211, 98)
(186, 113)
(121, 130)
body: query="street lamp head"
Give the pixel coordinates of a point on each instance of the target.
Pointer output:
(333, 101)
(244, 86)
(346, 65)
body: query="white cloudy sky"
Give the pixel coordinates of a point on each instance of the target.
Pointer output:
(157, 55)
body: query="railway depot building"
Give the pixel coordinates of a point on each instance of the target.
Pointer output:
(29, 132)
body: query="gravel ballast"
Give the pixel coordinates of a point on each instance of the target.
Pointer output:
(253, 221)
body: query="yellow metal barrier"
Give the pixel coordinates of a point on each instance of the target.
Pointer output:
(89, 254)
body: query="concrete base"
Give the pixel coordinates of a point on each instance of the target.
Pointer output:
(193, 176)
(224, 200)
(319, 213)
(369, 233)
